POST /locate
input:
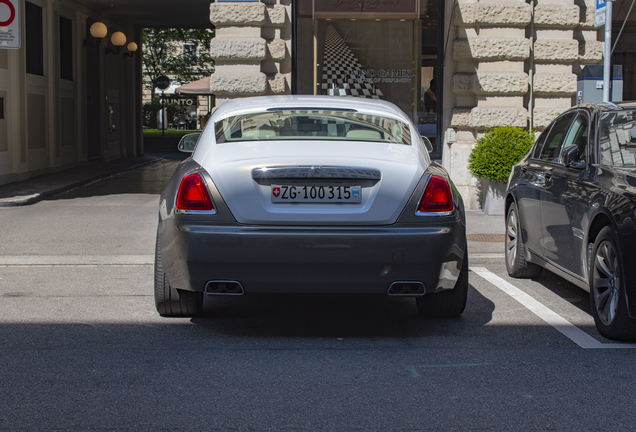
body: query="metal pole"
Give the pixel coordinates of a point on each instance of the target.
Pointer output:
(163, 116)
(607, 56)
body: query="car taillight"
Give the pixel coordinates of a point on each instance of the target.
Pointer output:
(437, 197)
(193, 194)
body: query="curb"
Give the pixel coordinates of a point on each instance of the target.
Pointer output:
(37, 197)
(486, 259)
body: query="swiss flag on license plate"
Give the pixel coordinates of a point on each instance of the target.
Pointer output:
(276, 191)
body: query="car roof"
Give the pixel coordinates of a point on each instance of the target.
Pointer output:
(304, 102)
(609, 106)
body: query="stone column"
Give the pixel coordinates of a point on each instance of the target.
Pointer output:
(251, 49)
(555, 51)
(491, 81)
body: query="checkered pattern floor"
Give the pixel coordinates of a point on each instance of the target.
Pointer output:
(342, 74)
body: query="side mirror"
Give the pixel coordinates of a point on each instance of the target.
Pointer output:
(427, 143)
(189, 142)
(570, 157)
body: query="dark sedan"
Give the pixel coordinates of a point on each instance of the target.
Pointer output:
(570, 208)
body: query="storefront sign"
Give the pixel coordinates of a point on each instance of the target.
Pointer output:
(180, 100)
(10, 24)
(383, 76)
(356, 6)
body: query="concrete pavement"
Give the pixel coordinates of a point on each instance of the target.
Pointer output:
(485, 232)
(37, 188)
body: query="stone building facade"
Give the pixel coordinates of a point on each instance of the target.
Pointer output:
(514, 63)
(251, 49)
(504, 62)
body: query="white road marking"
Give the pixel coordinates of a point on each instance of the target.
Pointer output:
(48, 260)
(568, 329)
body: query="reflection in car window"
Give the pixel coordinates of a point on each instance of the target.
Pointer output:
(538, 146)
(312, 125)
(552, 148)
(578, 136)
(618, 138)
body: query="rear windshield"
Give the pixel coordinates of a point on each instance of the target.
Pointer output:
(618, 138)
(312, 125)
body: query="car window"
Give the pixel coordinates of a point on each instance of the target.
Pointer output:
(617, 144)
(538, 146)
(551, 150)
(578, 135)
(318, 124)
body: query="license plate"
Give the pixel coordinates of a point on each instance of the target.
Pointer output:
(313, 194)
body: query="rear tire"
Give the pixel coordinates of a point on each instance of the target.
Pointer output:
(516, 263)
(450, 303)
(607, 289)
(172, 302)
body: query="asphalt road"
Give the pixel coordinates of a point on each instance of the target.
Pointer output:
(83, 349)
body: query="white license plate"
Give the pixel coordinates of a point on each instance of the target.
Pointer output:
(312, 194)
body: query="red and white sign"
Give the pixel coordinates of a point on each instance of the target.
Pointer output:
(276, 191)
(10, 24)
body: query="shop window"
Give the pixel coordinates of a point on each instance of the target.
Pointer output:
(189, 50)
(429, 100)
(371, 49)
(624, 51)
(34, 40)
(66, 49)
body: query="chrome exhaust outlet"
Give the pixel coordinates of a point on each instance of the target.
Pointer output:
(406, 288)
(223, 287)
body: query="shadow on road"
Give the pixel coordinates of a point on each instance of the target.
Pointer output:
(334, 316)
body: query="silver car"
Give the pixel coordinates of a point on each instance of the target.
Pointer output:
(310, 194)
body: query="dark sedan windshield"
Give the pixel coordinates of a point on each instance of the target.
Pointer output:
(312, 125)
(618, 138)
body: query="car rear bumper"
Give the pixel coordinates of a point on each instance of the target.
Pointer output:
(312, 259)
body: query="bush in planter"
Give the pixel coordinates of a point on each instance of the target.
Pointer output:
(498, 151)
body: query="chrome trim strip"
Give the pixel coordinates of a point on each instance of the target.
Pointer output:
(316, 172)
(433, 214)
(186, 212)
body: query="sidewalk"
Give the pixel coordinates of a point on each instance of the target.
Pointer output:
(485, 233)
(37, 188)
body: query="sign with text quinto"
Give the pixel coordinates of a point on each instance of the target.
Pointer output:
(10, 24)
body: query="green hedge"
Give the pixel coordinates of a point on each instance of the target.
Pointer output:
(168, 132)
(498, 151)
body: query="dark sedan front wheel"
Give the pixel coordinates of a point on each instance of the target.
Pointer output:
(172, 302)
(516, 262)
(607, 289)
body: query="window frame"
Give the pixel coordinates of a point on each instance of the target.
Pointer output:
(585, 114)
(558, 149)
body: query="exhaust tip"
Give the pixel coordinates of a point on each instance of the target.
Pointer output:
(223, 287)
(407, 288)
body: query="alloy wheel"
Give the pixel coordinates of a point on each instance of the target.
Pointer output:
(511, 238)
(606, 282)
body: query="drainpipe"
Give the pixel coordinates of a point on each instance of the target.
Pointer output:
(531, 71)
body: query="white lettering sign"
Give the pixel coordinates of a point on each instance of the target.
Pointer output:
(10, 24)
